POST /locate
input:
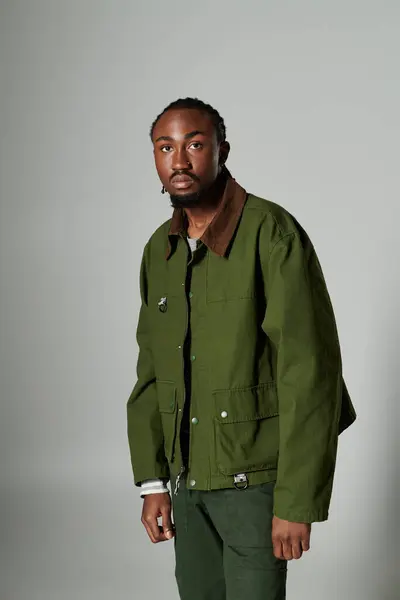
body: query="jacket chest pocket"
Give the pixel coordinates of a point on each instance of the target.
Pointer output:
(246, 429)
(230, 278)
(167, 407)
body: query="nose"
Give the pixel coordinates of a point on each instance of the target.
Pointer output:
(180, 160)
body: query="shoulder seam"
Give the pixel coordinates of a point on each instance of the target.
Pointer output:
(267, 211)
(284, 236)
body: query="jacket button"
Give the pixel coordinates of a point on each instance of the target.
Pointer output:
(193, 357)
(224, 414)
(192, 482)
(190, 294)
(195, 420)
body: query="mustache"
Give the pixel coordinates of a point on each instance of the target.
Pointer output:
(186, 173)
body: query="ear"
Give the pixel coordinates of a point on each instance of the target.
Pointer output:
(224, 150)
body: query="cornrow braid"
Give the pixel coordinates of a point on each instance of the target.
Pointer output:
(198, 105)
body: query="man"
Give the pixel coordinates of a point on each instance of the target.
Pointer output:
(240, 398)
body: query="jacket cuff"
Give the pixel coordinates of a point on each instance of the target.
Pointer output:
(310, 516)
(155, 472)
(153, 486)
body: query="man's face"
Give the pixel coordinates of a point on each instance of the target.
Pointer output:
(187, 154)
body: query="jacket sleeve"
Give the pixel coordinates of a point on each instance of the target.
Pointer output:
(300, 323)
(145, 435)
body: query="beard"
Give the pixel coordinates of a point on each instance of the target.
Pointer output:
(185, 200)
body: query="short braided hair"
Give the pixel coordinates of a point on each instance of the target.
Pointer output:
(195, 103)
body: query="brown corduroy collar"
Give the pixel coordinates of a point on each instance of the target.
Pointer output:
(220, 231)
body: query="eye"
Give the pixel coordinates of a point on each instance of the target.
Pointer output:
(165, 148)
(196, 145)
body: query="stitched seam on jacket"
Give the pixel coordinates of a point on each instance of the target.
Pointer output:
(292, 234)
(267, 212)
(267, 384)
(250, 419)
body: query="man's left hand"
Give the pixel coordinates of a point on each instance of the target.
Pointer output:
(289, 539)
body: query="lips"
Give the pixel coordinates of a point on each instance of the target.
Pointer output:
(183, 178)
(182, 181)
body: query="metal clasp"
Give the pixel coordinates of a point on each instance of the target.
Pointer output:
(162, 305)
(178, 479)
(240, 481)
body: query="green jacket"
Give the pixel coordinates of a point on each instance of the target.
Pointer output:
(267, 395)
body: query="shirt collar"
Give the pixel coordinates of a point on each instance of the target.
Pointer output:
(220, 231)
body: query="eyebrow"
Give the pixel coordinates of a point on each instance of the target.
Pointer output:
(187, 136)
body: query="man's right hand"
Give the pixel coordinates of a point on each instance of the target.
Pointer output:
(155, 506)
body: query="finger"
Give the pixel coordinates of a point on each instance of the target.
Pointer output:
(305, 544)
(287, 549)
(152, 527)
(162, 534)
(297, 549)
(149, 533)
(277, 546)
(167, 525)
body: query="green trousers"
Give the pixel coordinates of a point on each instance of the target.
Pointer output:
(223, 545)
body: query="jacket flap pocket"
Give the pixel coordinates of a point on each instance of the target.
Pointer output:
(166, 395)
(246, 404)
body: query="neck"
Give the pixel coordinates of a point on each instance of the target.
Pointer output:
(199, 217)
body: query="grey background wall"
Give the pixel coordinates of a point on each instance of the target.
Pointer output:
(310, 93)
